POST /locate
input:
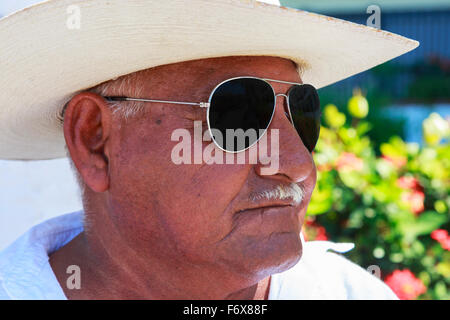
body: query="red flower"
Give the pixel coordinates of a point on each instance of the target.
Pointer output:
(405, 284)
(321, 233)
(446, 244)
(314, 231)
(414, 195)
(439, 235)
(349, 161)
(442, 237)
(415, 200)
(408, 182)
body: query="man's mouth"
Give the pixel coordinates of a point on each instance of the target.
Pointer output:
(268, 219)
(271, 204)
(268, 206)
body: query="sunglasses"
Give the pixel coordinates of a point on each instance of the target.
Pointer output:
(240, 104)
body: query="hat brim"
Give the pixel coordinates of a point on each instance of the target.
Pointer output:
(43, 62)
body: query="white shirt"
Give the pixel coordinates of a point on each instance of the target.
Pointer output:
(26, 274)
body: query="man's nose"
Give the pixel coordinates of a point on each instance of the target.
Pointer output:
(295, 162)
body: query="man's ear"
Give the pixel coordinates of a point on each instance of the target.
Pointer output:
(87, 125)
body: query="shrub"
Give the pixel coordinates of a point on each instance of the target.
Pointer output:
(394, 207)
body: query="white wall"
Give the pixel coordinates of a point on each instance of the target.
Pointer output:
(33, 191)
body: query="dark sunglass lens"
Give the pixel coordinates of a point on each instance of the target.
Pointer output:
(305, 109)
(239, 109)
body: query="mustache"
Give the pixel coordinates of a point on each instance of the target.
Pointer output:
(294, 192)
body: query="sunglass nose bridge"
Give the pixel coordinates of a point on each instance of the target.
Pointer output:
(281, 94)
(287, 110)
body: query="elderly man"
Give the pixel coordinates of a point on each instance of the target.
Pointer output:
(155, 227)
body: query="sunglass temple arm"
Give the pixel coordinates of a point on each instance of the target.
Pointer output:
(199, 104)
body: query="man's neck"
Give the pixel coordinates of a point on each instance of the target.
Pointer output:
(102, 277)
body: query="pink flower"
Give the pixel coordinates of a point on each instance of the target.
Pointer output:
(415, 199)
(314, 231)
(349, 161)
(414, 195)
(321, 233)
(445, 244)
(408, 182)
(442, 237)
(439, 235)
(405, 284)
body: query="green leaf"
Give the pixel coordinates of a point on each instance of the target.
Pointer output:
(321, 201)
(351, 178)
(363, 128)
(424, 224)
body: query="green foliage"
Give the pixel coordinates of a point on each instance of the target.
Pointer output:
(382, 126)
(388, 201)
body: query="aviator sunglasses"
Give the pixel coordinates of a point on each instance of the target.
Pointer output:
(244, 103)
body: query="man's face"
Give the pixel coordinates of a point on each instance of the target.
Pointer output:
(196, 213)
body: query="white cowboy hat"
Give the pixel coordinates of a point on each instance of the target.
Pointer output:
(56, 48)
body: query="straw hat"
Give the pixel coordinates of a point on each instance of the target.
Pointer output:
(56, 48)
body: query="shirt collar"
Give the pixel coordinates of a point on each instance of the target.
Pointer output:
(26, 274)
(25, 271)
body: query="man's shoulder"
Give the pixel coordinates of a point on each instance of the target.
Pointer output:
(321, 274)
(48, 235)
(24, 272)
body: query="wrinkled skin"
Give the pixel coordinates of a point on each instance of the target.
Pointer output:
(156, 230)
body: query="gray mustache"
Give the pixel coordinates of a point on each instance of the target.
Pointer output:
(282, 192)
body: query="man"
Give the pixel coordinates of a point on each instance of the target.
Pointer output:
(156, 225)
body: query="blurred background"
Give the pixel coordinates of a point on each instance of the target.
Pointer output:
(383, 156)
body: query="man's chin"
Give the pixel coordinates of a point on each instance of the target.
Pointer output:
(274, 254)
(282, 252)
